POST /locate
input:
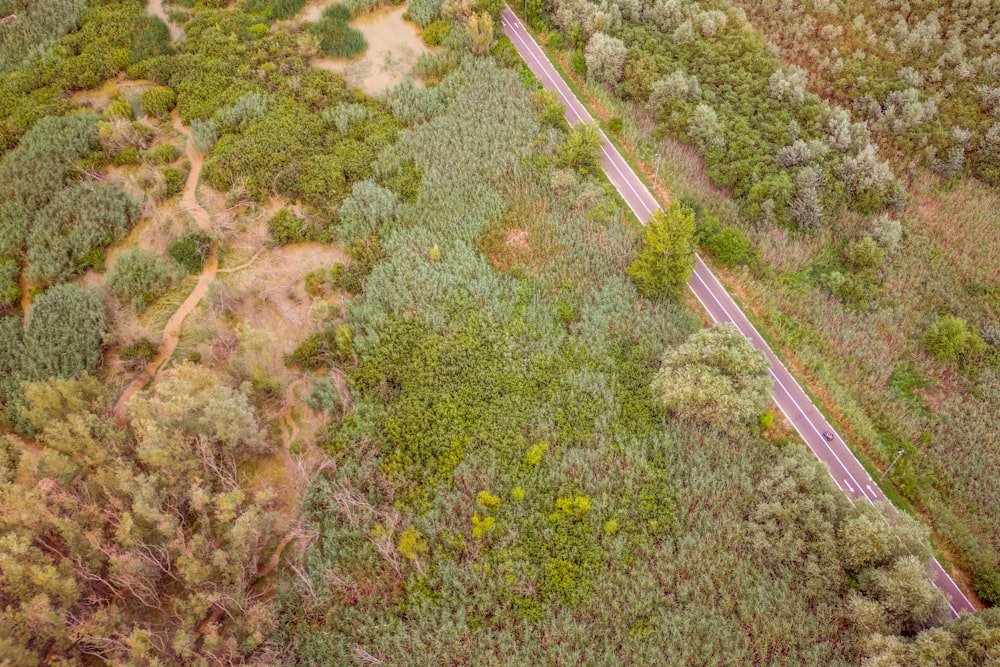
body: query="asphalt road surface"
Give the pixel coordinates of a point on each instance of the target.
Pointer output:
(846, 471)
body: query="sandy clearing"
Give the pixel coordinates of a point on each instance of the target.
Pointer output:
(393, 48)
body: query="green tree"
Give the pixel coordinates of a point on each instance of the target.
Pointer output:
(579, 150)
(905, 590)
(716, 375)
(951, 339)
(666, 261)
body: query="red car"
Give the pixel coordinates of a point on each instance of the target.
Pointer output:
(828, 435)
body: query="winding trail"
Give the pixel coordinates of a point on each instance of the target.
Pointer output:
(171, 332)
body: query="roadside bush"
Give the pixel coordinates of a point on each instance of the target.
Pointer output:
(191, 250)
(579, 150)
(605, 58)
(158, 101)
(716, 375)
(139, 277)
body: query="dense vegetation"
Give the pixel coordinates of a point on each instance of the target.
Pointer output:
(112, 34)
(926, 79)
(852, 274)
(62, 337)
(133, 545)
(509, 481)
(32, 27)
(539, 456)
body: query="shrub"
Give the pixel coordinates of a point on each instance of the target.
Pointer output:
(164, 153)
(205, 134)
(138, 353)
(174, 179)
(731, 247)
(69, 234)
(423, 12)
(336, 38)
(615, 125)
(951, 339)
(986, 582)
(139, 277)
(64, 333)
(275, 9)
(158, 101)
(286, 227)
(367, 211)
(579, 150)
(191, 250)
(435, 33)
(10, 290)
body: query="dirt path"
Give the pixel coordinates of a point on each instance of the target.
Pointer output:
(155, 8)
(245, 264)
(171, 332)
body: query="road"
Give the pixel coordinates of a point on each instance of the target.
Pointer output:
(845, 469)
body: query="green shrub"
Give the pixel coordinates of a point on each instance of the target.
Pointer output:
(126, 156)
(164, 153)
(986, 582)
(139, 277)
(174, 179)
(286, 227)
(423, 12)
(615, 125)
(731, 247)
(275, 9)
(138, 353)
(336, 38)
(951, 339)
(117, 108)
(10, 289)
(69, 234)
(435, 33)
(191, 250)
(158, 101)
(64, 333)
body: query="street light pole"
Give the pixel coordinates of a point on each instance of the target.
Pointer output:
(657, 172)
(899, 454)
